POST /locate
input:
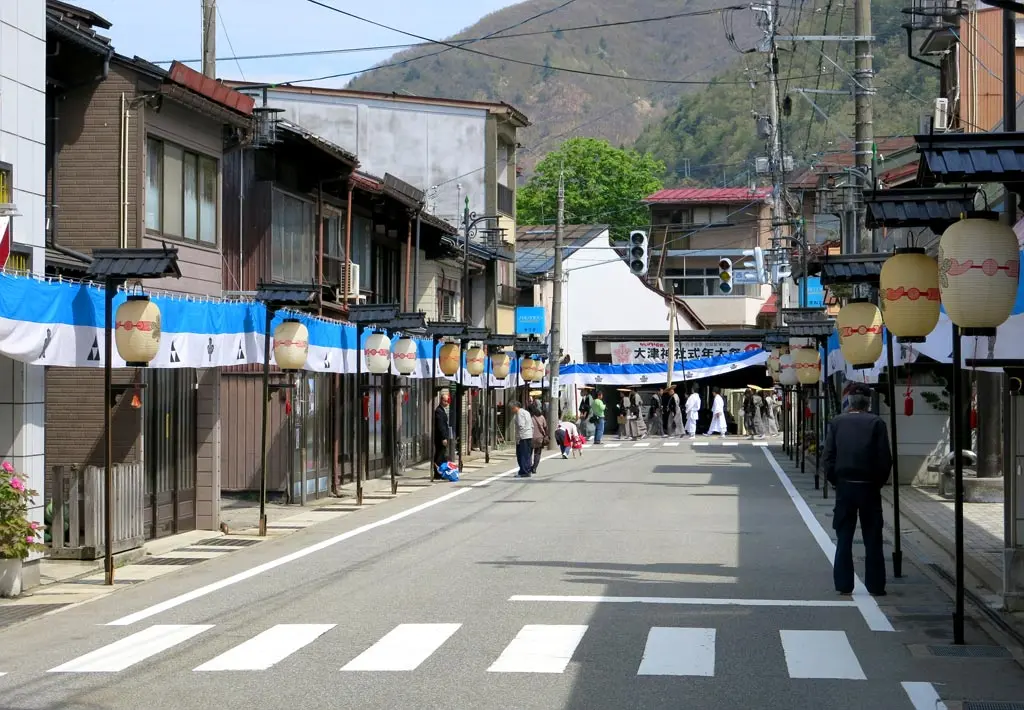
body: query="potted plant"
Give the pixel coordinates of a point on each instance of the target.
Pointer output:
(18, 535)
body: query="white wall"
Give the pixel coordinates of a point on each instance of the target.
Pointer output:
(424, 145)
(22, 145)
(604, 296)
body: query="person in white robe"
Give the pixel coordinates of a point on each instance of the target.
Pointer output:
(717, 414)
(677, 415)
(692, 411)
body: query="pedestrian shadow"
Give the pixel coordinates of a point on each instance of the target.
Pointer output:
(636, 577)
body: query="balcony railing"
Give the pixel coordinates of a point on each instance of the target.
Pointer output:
(506, 201)
(508, 295)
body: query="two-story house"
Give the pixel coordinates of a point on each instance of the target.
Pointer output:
(461, 154)
(692, 230)
(134, 159)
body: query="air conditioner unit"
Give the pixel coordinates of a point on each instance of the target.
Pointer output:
(353, 280)
(940, 115)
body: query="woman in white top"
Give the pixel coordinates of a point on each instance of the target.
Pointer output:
(564, 435)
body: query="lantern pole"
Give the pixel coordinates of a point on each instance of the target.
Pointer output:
(459, 394)
(805, 392)
(825, 401)
(486, 408)
(897, 552)
(263, 427)
(956, 430)
(108, 438)
(434, 339)
(357, 440)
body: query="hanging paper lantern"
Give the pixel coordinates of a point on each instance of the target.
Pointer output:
(909, 294)
(475, 360)
(773, 361)
(979, 267)
(501, 363)
(450, 358)
(532, 370)
(787, 373)
(860, 333)
(137, 331)
(377, 353)
(404, 355)
(291, 345)
(807, 363)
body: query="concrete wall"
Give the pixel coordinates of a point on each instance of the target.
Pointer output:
(423, 144)
(22, 148)
(923, 437)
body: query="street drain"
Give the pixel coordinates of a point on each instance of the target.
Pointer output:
(991, 705)
(227, 542)
(969, 652)
(178, 561)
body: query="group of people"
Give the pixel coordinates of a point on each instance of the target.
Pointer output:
(532, 434)
(668, 416)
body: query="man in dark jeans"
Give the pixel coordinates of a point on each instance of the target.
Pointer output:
(524, 439)
(857, 463)
(442, 431)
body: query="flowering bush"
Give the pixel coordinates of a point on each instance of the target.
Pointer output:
(18, 536)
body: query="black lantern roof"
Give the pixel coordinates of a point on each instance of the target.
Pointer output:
(286, 294)
(932, 207)
(849, 268)
(125, 264)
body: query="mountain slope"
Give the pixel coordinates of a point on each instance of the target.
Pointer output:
(559, 102)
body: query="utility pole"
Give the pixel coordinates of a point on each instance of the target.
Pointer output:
(863, 93)
(554, 410)
(210, 38)
(671, 334)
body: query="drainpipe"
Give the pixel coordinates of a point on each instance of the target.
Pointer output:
(348, 246)
(320, 237)
(416, 264)
(408, 266)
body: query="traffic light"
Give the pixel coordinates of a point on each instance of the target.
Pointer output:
(725, 276)
(762, 275)
(638, 252)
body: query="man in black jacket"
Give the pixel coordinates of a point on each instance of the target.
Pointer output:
(442, 430)
(857, 463)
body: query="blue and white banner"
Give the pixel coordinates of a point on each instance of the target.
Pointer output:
(654, 374)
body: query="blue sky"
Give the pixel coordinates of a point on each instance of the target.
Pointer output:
(171, 29)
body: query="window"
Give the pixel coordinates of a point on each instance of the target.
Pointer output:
(292, 238)
(334, 247)
(181, 192)
(448, 300)
(6, 187)
(362, 249)
(703, 282)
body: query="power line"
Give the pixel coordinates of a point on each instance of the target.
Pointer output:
(228, 37)
(510, 60)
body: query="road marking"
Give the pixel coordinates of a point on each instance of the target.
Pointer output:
(923, 696)
(268, 648)
(641, 445)
(129, 651)
(820, 654)
(679, 651)
(404, 648)
(487, 481)
(730, 443)
(759, 443)
(869, 609)
(671, 443)
(701, 443)
(611, 446)
(684, 601)
(297, 555)
(540, 648)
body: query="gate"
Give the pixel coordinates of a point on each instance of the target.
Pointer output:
(170, 451)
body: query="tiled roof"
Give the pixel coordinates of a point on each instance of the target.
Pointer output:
(535, 244)
(211, 88)
(710, 195)
(849, 268)
(134, 263)
(316, 141)
(936, 208)
(973, 157)
(76, 25)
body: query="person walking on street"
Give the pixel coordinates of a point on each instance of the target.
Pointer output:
(654, 418)
(540, 435)
(565, 435)
(771, 406)
(692, 412)
(598, 408)
(524, 439)
(442, 431)
(857, 463)
(718, 425)
(586, 407)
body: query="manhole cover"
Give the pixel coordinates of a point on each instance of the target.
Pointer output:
(13, 613)
(228, 542)
(178, 561)
(969, 651)
(991, 705)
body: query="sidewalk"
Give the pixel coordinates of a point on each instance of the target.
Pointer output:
(72, 582)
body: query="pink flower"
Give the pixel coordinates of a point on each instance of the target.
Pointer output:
(7, 467)
(34, 525)
(30, 539)
(17, 485)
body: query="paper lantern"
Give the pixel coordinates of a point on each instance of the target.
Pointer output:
(450, 358)
(291, 345)
(501, 363)
(787, 373)
(532, 370)
(807, 363)
(909, 294)
(860, 333)
(377, 354)
(137, 331)
(979, 267)
(403, 353)
(773, 361)
(475, 360)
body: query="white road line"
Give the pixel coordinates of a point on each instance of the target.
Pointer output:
(611, 446)
(869, 609)
(540, 648)
(641, 445)
(487, 481)
(730, 443)
(297, 555)
(671, 443)
(679, 651)
(923, 696)
(701, 443)
(129, 651)
(759, 443)
(404, 648)
(820, 654)
(684, 601)
(268, 648)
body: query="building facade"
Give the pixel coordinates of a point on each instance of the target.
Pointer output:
(22, 229)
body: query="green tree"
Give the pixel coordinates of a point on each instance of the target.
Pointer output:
(603, 185)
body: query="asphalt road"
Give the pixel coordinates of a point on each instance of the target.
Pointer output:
(637, 577)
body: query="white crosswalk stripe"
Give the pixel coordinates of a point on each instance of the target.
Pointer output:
(540, 648)
(129, 651)
(820, 654)
(536, 648)
(270, 647)
(679, 651)
(404, 648)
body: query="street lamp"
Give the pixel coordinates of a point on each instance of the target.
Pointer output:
(138, 332)
(470, 334)
(497, 366)
(403, 354)
(438, 330)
